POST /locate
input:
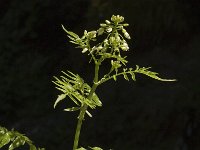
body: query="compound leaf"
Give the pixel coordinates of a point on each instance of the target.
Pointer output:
(17, 142)
(151, 74)
(60, 98)
(15, 139)
(70, 33)
(4, 139)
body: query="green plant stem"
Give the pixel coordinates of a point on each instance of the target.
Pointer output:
(84, 108)
(78, 128)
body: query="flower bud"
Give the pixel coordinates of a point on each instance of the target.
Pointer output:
(127, 35)
(123, 30)
(124, 46)
(108, 22)
(112, 39)
(103, 25)
(105, 42)
(109, 29)
(85, 32)
(92, 34)
(84, 50)
(126, 24)
(113, 18)
(99, 48)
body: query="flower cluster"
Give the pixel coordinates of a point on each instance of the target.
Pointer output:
(114, 41)
(111, 46)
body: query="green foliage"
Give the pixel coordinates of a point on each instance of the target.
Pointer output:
(15, 139)
(111, 49)
(73, 86)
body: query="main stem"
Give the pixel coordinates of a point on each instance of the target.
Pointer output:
(84, 108)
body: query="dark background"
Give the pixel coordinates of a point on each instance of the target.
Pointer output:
(142, 115)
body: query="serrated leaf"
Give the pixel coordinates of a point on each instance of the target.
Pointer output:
(125, 76)
(151, 74)
(73, 77)
(5, 139)
(73, 99)
(72, 38)
(73, 42)
(89, 103)
(60, 98)
(96, 100)
(17, 139)
(17, 142)
(133, 76)
(70, 33)
(72, 109)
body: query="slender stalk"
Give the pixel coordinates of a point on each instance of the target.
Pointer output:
(84, 108)
(79, 124)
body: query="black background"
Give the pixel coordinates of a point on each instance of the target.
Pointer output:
(142, 115)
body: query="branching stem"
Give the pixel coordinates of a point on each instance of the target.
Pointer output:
(84, 108)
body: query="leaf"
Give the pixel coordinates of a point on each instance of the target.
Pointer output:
(96, 100)
(73, 86)
(72, 109)
(60, 98)
(114, 77)
(81, 148)
(70, 33)
(5, 139)
(72, 38)
(17, 139)
(91, 104)
(133, 76)
(125, 76)
(96, 148)
(73, 77)
(88, 113)
(17, 142)
(73, 99)
(151, 74)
